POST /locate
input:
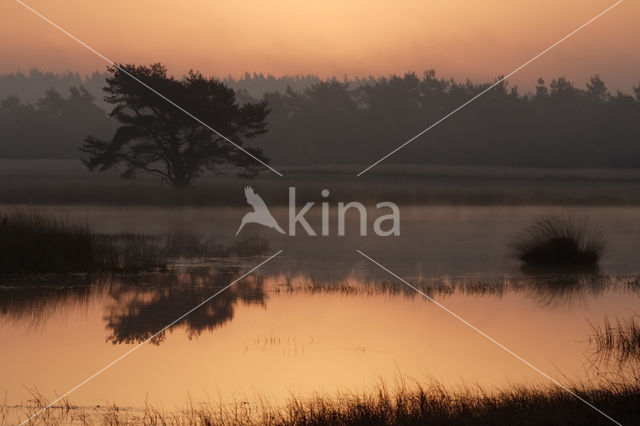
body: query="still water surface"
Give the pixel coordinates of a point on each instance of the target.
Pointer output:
(318, 318)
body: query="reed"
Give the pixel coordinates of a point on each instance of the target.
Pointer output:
(34, 241)
(621, 340)
(406, 405)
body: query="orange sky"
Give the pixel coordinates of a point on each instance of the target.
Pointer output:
(459, 38)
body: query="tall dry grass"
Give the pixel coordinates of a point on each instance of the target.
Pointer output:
(435, 404)
(34, 241)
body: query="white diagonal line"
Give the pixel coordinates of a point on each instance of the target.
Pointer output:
(491, 87)
(500, 345)
(35, 12)
(64, 395)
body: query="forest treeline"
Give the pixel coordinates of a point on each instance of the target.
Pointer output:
(52, 127)
(30, 86)
(314, 121)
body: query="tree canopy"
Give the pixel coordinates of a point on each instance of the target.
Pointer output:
(557, 123)
(357, 122)
(157, 138)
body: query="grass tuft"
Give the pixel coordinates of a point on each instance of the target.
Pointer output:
(559, 241)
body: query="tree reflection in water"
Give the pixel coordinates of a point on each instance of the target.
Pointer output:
(133, 314)
(135, 307)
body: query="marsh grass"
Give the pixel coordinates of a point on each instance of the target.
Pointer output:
(548, 288)
(559, 241)
(620, 340)
(33, 241)
(416, 405)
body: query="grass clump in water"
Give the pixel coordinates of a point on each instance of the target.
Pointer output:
(33, 241)
(559, 241)
(621, 339)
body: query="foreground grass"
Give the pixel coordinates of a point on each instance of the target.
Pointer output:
(416, 406)
(32, 241)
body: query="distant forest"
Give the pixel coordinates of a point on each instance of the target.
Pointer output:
(320, 122)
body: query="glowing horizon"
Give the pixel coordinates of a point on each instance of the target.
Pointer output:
(459, 39)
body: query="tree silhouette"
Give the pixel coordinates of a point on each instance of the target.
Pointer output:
(321, 122)
(157, 138)
(53, 127)
(596, 88)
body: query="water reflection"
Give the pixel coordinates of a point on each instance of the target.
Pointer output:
(566, 290)
(133, 315)
(319, 319)
(137, 306)
(32, 306)
(315, 335)
(616, 343)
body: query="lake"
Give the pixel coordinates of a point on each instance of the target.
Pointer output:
(318, 318)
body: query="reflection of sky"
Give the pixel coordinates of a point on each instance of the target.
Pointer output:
(278, 341)
(278, 332)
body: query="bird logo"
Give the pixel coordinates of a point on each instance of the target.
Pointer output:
(260, 213)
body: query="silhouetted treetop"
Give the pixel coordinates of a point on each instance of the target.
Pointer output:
(314, 121)
(557, 125)
(157, 138)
